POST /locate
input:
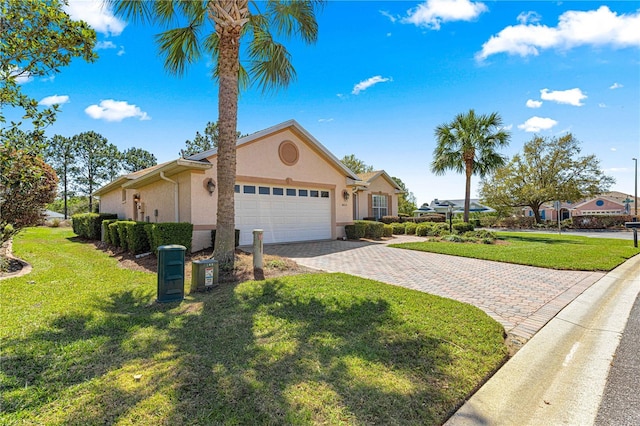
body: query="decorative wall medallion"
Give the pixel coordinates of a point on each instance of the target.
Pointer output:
(288, 152)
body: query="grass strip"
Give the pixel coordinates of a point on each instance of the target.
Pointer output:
(565, 252)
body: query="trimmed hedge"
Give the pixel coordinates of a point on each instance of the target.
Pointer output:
(213, 238)
(373, 230)
(123, 237)
(387, 220)
(355, 231)
(161, 234)
(113, 233)
(601, 221)
(462, 227)
(410, 228)
(397, 228)
(105, 230)
(387, 231)
(89, 225)
(137, 239)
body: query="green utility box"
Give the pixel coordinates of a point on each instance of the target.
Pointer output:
(171, 273)
(204, 274)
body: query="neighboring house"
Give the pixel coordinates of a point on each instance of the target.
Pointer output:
(287, 184)
(375, 196)
(609, 203)
(457, 206)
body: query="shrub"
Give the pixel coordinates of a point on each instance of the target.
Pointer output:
(600, 222)
(373, 230)
(350, 231)
(389, 219)
(453, 238)
(410, 228)
(488, 221)
(477, 223)
(105, 230)
(113, 233)
(462, 227)
(424, 229)
(433, 218)
(89, 225)
(361, 229)
(213, 238)
(137, 240)
(398, 228)
(517, 222)
(166, 233)
(387, 231)
(121, 226)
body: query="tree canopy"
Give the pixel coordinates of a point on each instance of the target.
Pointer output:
(201, 143)
(406, 200)
(468, 145)
(548, 169)
(36, 39)
(356, 165)
(27, 185)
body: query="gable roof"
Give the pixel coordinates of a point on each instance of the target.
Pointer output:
(152, 174)
(294, 126)
(371, 176)
(600, 197)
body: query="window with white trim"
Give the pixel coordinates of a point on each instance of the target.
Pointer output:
(379, 206)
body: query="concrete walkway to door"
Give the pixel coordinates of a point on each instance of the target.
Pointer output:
(522, 298)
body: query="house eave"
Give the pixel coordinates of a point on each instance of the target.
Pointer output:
(170, 169)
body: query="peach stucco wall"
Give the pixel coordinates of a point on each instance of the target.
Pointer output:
(377, 186)
(257, 161)
(608, 207)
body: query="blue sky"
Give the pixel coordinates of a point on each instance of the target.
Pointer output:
(381, 77)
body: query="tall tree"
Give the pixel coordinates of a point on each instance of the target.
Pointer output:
(549, 169)
(201, 143)
(406, 200)
(218, 28)
(37, 39)
(60, 154)
(30, 142)
(468, 145)
(134, 159)
(356, 165)
(27, 185)
(94, 158)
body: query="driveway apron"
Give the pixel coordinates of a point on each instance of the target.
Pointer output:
(522, 298)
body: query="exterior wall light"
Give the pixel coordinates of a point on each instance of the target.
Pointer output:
(210, 185)
(136, 198)
(345, 195)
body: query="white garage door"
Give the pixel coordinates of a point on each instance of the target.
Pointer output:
(284, 213)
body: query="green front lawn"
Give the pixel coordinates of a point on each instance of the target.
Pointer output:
(84, 343)
(569, 252)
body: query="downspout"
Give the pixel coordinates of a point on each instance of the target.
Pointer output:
(175, 195)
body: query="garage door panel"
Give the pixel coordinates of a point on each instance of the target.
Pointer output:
(283, 218)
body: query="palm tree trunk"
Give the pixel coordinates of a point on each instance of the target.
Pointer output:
(467, 191)
(228, 62)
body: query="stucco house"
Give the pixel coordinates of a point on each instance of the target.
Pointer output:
(457, 206)
(375, 196)
(609, 203)
(287, 183)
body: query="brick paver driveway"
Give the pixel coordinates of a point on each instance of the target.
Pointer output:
(521, 298)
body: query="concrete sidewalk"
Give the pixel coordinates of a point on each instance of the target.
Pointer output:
(559, 376)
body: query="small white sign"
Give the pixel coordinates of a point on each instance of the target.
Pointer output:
(208, 277)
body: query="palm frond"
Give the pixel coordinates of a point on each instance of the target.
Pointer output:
(180, 47)
(291, 18)
(270, 61)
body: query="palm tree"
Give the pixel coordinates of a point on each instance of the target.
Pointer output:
(216, 28)
(468, 145)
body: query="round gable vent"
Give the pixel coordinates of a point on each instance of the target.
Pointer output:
(288, 152)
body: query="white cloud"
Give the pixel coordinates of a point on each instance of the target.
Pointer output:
(325, 120)
(528, 18)
(19, 75)
(533, 104)
(111, 110)
(97, 14)
(54, 100)
(536, 124)
(432, 13)
(365, 84)
(600, 27)
(602, 105)
(614, 149)
(49, 78)
(616, 86)
(570, 97)
(388, 15)
(105, 45)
